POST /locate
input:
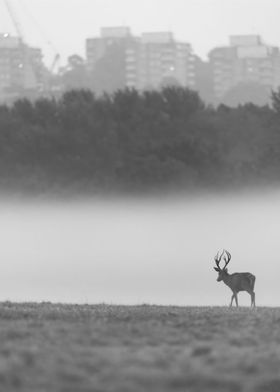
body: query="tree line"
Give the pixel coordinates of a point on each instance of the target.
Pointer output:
(129, 141)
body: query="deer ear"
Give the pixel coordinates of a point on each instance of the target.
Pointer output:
(225, 270)
(216, 269)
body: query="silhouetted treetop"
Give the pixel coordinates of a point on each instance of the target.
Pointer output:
(131, 140)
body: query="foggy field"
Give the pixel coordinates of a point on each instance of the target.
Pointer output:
(46, 347)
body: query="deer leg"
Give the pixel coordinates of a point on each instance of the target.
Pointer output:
(230, 305)
(252, 294)
(236, 299)
(253, 302)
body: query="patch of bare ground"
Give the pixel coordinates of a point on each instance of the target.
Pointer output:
(85, 348)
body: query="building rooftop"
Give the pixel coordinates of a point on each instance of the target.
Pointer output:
(163, 37)
(245, 40)
(115, 32)
(8, 41)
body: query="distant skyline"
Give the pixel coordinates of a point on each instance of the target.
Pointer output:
(63, 25)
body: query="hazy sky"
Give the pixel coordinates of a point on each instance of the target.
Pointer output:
(203, 23)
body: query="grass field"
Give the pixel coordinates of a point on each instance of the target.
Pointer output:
(103, 348)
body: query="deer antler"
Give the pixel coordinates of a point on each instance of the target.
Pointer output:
(218, 258)
(227, 260)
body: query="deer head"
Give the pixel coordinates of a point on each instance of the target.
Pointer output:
(222, 271)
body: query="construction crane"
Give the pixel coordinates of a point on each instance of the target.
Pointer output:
(55, 62)
(14, 19)
(29, 79)
(44, 36)
(13, 15)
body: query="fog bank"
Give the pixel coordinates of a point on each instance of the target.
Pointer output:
(124, 251)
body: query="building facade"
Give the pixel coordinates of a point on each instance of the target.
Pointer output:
(21, 67)
(157, 59)
(246, 60)
(97, 47)
(149, 62)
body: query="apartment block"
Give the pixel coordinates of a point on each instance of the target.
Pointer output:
(150, 61)
(21, 67)
(246, 59)
(156, 59)
(97, 47)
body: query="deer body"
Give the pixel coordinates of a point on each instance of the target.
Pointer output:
(238, 281)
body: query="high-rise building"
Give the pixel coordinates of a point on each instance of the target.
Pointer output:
(97, 47)
(21, 67)
(147, 62)
(157, 59)
(105, 57)
(245, 60)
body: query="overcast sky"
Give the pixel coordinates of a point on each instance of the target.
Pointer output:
(204, 23)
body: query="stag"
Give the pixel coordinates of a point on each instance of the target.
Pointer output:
(239, 281)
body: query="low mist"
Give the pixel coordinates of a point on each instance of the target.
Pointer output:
(139, 251)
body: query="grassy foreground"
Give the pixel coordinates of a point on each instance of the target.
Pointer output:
(101, 348)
